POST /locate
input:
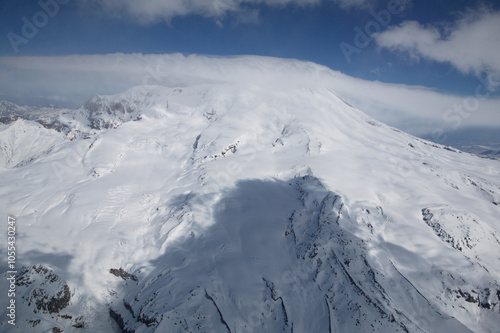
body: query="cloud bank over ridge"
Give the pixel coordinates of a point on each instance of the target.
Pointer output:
(74, 79)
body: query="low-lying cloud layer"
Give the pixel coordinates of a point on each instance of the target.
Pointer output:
(74, 79)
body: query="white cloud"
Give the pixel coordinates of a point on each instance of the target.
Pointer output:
(417, 110)
(147, 11)
(471, 44)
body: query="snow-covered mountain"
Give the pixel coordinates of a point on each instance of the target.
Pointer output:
(238, 207)
(10, 112)
(491, 150)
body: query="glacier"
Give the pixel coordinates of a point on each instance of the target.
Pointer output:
(244, 206)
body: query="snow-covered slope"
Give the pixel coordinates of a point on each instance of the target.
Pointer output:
(10, 112)
(236, 207)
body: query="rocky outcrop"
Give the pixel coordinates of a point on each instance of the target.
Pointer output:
(123, 274)
(104, 114)
(44, 291)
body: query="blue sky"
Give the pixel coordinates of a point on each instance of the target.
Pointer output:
(308, 32)
(446, 46)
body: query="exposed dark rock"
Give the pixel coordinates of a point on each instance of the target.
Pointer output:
(147, 320)
(222, 320)
(129, 308)
(440, 232)
(123, 274)
(119, 321)
(468, 297)
(44, 289)
(34, 322)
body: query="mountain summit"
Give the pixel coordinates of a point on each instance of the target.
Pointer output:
(241, 207)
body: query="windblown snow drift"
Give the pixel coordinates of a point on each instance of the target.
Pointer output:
(244, 207)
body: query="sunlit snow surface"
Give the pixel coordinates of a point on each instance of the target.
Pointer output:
(249, 208)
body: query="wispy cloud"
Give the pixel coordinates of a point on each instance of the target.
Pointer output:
(148, 11)
(471, 44)
(418, 110)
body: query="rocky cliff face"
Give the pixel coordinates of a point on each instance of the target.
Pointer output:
(42, 299)
(104, 114)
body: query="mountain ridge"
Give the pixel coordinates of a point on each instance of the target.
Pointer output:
(242, 208)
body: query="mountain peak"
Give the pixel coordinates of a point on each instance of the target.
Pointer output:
(245, 207)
